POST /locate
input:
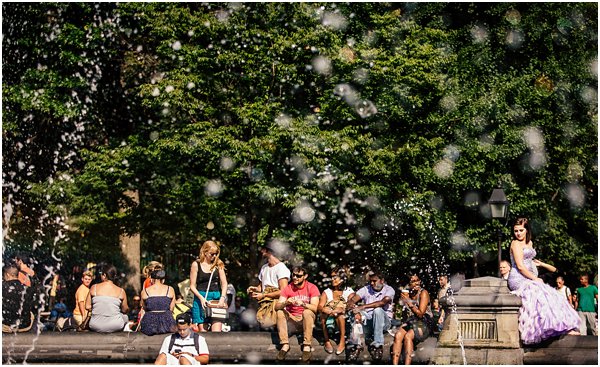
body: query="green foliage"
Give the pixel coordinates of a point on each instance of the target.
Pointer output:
(360, 134)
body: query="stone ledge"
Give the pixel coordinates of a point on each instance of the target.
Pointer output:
(232, 347)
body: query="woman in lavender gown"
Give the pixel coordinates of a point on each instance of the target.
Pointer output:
(543, 313)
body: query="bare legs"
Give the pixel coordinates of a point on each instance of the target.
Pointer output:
(340, 321)
(327, 343)
(406, 339)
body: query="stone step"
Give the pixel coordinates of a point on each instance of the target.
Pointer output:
(130, 347)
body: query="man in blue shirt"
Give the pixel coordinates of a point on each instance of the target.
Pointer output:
(376, 309)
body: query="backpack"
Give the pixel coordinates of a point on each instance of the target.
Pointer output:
(196, 341)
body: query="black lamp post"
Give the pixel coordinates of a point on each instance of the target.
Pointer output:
(499, 209)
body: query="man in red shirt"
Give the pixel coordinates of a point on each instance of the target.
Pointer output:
(297, 307)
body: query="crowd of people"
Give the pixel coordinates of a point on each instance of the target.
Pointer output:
(289, 302)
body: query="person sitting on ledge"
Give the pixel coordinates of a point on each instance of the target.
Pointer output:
(504, 269)
(297, 305)
(16, 302)
(544, 313)
(184, 346)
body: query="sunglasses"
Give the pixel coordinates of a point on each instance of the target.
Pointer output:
(181, 322)
(297, 275)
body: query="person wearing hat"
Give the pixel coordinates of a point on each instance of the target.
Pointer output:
(158, 301)
(184, 346)
(274, 276)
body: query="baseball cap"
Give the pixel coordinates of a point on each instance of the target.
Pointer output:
(184, 318)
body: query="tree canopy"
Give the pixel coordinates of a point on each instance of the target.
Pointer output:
(360, 134)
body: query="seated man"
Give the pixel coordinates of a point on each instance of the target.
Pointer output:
(297, 305)
(504, 269)
(16, 302)
(184, 346)
(376, 310)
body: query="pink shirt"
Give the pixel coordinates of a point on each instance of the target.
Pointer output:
(303, 294)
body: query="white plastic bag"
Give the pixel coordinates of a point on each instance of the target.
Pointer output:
(356, 335)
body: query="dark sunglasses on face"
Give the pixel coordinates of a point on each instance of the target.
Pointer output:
(297, 275)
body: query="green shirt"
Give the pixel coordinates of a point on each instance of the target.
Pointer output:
(585, 297)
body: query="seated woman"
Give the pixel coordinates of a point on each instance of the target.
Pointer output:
(332, 306)
(108, 303)
(417, 324)
(544, 313)
(158, 301)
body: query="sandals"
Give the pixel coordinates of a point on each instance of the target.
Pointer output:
(338, 351)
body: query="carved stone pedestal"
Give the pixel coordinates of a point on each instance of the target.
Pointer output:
(482, 326)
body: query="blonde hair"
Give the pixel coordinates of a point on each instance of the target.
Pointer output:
(88, 273)
(206, 246)
(152, 265)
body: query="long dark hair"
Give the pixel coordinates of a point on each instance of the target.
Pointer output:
(109, 271)
(525, 223)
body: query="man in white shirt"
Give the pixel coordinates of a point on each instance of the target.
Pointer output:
(274, 276)
(183, 347)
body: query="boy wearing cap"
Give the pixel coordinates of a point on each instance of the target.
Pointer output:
(184, 346)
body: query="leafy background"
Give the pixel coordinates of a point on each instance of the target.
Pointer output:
(360, 134)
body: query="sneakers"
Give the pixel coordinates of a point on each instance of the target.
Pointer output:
(376, 352)
(353, 352)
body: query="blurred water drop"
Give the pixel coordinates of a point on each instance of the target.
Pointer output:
(365, 108)
(322, 65)
(513, 17)
(303, 212)
(575, 195)
(589, 95)
(534, 138)
(155, 92)
(459, 241)
(451, 152)
(444, 168)
(479, 34)
(334, 21)
(514, 38)
(283, 120)
(227, 164)
(213, 188)
(210, 225)
(176, 45)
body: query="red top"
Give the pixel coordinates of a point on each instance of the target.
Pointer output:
(303, 294)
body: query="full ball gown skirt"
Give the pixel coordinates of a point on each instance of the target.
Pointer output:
(544, 313)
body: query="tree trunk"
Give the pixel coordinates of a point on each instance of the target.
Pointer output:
(130, 245)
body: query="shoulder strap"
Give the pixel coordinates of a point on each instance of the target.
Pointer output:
(172, 342)
(168, 289)
(209, 280)
(197, 342)
(146, 290)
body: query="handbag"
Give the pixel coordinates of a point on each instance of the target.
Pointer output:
(266, 315)
(216, 313)
(212, 310)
